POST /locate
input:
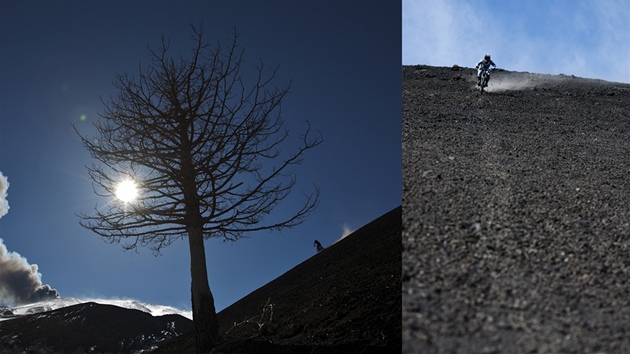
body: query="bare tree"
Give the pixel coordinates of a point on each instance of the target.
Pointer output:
(204, 148)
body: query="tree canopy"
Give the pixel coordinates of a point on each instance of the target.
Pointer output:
(191, 130)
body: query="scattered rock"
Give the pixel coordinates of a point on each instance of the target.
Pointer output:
(265, 328)
(430, 175)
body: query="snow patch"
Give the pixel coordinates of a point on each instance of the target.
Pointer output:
(54, 304)
(154, 310)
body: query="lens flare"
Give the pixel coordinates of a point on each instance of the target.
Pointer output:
(126, 191)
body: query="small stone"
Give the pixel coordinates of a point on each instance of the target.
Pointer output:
(265, 328)
(429, 174)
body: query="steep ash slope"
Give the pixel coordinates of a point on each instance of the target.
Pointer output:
(516, 212)
(345, 299)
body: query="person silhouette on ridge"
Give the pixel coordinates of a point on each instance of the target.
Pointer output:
(318, 246)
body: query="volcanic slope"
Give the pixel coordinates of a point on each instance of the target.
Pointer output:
(345, 299)
(516, 212)
(89, 327)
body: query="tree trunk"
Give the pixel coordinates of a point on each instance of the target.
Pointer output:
(204, 314)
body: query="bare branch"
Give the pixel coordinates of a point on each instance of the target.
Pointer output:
(204, 147)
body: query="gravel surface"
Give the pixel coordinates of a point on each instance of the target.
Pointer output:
(516, 212)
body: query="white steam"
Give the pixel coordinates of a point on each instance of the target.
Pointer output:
(4, 203)
(346, 231)
(20, 282)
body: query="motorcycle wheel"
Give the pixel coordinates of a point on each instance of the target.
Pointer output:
(484, 82)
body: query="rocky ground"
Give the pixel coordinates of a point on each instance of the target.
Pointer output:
(345, 299)
(516, 234)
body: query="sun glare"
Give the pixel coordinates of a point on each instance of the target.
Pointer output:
(126, 191)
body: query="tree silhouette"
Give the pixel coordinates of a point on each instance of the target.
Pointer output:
(204, 149)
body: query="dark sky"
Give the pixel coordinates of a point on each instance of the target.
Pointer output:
(58, 59)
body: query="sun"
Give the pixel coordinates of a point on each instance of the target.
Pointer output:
(126, 191)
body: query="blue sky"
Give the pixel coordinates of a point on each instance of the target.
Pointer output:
(58, 59)
(585, 38)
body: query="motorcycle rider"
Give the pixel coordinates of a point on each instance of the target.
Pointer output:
(483, 65)
(318, 246)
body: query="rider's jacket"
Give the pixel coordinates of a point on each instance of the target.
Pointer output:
(483, 64)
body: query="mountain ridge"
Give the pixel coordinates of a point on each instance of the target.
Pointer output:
(89, 327)
(9, 312)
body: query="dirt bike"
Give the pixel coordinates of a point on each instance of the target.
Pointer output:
(485, 77)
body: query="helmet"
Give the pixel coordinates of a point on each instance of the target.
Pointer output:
(487, 57)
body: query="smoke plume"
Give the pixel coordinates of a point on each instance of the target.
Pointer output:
(4, 204)
(20, 282)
